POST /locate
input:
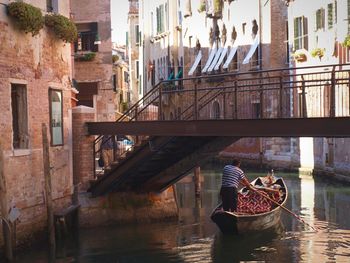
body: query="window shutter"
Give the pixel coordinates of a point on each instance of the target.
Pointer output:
(305, 33)
(296, 33)
(330, 16)
(323, 18)
(157, 10)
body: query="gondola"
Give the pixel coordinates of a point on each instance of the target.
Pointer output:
(247, 220)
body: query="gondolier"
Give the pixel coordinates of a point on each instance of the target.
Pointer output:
(231, 178)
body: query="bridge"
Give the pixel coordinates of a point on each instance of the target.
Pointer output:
(181, 122)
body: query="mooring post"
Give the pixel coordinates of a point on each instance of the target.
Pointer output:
(48, 191)
(197, 181)
(4, 210)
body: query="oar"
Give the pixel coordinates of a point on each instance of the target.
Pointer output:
(286, 209)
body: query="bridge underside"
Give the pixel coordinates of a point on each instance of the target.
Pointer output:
(296, 127)
(158, 163)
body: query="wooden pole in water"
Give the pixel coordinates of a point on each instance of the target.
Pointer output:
(48, 191)
(197, 181)
(4, 210)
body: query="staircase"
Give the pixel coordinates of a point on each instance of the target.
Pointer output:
(158, 163)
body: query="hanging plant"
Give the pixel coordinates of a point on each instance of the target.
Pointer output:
(202, 6)
(318, 52)
(63, 27)
(299, 56)
(27, 18)
(346, 42)
(218, 5)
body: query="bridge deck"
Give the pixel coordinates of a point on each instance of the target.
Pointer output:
(297, 127)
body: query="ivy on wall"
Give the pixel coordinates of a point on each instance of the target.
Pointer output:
(27, 18)
(63, 27)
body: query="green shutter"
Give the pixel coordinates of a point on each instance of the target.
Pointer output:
(330, 15)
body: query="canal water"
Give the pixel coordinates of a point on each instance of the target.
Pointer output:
(194, 238)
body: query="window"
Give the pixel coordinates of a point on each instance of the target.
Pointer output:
(243, 28)
(87, 90)
(56, 118)
(320, 19)
(49, 6)
(19, 116)
(153, 74)
(152, 22)
(115, 84)
(137, 72)
(255, 61)
(126, 77)
(87, 35)
(137, 34)
(300, 33)
(160, 19)
(330, 15)
(52, 6)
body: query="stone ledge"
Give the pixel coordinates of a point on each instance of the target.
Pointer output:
(83, 109)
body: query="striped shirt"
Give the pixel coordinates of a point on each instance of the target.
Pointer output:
(231, 176)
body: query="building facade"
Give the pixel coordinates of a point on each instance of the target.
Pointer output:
(318, 34)
(189, 38)
(93, 57)
(121, 85)
(35, 89)
(134, 41)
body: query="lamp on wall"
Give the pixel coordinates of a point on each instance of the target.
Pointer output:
(97, 40)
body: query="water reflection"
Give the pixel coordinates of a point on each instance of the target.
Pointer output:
(196, 239)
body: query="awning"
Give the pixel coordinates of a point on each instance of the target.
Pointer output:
(196, 62)
(210, 58)
(252, 50)
(231, 55)
(216, 59)
(221, 59)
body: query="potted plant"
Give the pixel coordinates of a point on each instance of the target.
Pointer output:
(27, 17)
(218, 4)
(202, 6)
(318, 52)
(346, 42)
(62, 26)
(299, 56)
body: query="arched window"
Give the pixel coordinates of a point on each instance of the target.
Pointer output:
(216, 110)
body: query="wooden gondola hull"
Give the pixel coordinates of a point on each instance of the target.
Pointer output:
(232, 223)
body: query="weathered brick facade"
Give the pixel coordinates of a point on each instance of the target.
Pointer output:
(99, 69)
(37, 63)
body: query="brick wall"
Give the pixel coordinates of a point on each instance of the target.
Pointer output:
(40, 62)
(100, 69)
(82, 147)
